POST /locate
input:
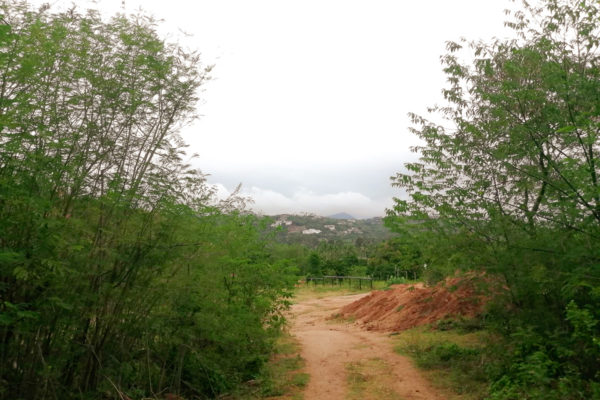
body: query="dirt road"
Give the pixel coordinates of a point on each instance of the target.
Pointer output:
(338, 353)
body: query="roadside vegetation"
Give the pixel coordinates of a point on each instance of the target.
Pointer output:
(456, 359)
(282, 377)
(370, 380)
(320, 290)
(121, 275)
(508, 185)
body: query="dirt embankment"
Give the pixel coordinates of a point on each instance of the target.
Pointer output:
(407, 306)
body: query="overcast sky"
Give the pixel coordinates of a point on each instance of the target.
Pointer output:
(308, 103)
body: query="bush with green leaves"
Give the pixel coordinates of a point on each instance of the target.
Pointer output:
(396, 258)
(508, 184)
(120, 273)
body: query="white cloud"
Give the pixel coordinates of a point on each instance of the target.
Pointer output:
(221, 192)
(270, 202)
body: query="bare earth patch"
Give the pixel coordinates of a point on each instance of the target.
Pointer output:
(407, 306)
(337, 351)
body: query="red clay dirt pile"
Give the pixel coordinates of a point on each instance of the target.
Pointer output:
(406, 306)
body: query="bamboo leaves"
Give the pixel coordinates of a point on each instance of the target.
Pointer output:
(110, 244)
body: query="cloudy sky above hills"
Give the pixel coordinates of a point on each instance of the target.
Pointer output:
(308, 103)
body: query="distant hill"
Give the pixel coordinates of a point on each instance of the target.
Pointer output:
(311, 229)
(341, 215)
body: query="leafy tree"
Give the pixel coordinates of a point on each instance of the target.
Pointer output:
(314, 264)
(120, 275)
(396, 257)
(512, 183)
(337, 256)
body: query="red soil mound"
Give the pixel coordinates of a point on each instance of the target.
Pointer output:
(406, 306)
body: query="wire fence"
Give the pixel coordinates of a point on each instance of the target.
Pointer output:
(340, 280)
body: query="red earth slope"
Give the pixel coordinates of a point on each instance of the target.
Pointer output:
(406, 306)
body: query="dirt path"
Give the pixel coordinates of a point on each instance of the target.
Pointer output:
(330, 347)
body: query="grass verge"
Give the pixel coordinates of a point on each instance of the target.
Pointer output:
(370, 380)
(311, 291)
(454, 360)
(284, 376)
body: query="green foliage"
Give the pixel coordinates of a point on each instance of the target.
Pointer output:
(397, 281)
(280, 376)
(444, 353)
(360, 232)
(332, 257)
(358, 270)
(396, 258)
(454, 358)
(511, 187)
(370, 379)
(314, 264)
(119, 272)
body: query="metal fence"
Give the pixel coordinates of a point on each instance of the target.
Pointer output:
(339, 280)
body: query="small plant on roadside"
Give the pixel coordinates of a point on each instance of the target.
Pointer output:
(454, 359)
(300, 379)
(397, 281)
(281, 375)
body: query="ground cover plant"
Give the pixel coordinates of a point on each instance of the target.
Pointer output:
(455, 359)
(284, 376)
(367, 379)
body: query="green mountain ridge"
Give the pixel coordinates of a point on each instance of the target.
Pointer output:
(342, 215)
(311, 229)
